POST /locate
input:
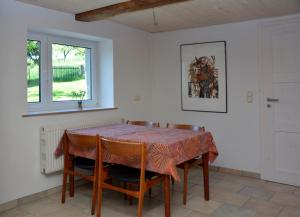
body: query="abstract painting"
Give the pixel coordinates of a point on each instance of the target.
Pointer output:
(203, 77)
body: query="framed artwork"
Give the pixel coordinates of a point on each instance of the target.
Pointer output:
(203, 77)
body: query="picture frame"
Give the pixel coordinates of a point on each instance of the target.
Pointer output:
(204, 77)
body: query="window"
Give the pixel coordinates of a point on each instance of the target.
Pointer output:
(60, 72)
(33, 71)
(70, 72)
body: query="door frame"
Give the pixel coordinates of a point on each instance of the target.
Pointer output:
(265, 28)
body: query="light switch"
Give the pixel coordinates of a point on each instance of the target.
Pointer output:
(249, 96)
(137, 98)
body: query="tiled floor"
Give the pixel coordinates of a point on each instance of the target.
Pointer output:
(231, 196)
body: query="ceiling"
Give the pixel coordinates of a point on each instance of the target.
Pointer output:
(189, 14)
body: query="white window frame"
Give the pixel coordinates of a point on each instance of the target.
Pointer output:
(46, 103)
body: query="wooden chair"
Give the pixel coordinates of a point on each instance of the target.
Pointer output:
(76, 165)
(187, 164)
(147, 124)
(144, 179)
(144, 123)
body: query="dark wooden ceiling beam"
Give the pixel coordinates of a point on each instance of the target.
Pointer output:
(120, 8)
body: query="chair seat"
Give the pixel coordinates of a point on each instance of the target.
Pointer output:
(127, 174)
(84, 163)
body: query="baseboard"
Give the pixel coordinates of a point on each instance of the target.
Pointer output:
(33, 197)
(8, 205)
(235, 172)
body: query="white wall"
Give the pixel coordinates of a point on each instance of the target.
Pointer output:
(19, 143)
(144, 65)
(237, 132)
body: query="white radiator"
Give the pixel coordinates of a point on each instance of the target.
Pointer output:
(49, 139)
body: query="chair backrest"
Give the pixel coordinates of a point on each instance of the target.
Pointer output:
(123, 149)
(82, 142)
(144, 123)
(186, 127)
(127, 150)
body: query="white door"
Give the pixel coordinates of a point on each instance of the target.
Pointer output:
(280, 66)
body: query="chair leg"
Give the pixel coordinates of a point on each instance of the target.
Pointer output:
(150, 193)
(64, 187)
(94, 196)
(99, 199)
(130, 187)
(126, 196)
(167, 195)
(205, 176)
(123, 185)
(141, 203)
(71, 177)
(185, 183)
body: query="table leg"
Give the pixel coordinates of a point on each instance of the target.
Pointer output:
(71, 177)
(205, 176)
(167, 195)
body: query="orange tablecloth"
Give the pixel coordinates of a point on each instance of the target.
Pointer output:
(166, 147)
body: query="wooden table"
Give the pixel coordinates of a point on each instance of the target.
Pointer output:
(166, 148)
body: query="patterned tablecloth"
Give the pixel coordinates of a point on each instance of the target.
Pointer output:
(166, 148)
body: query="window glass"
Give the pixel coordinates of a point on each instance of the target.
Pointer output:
(33, 71)
(71, 73)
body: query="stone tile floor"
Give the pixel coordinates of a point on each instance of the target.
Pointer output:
(231, 196)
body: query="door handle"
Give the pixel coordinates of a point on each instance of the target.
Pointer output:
(272, 100)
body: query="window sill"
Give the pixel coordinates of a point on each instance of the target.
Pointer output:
(67, 111)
